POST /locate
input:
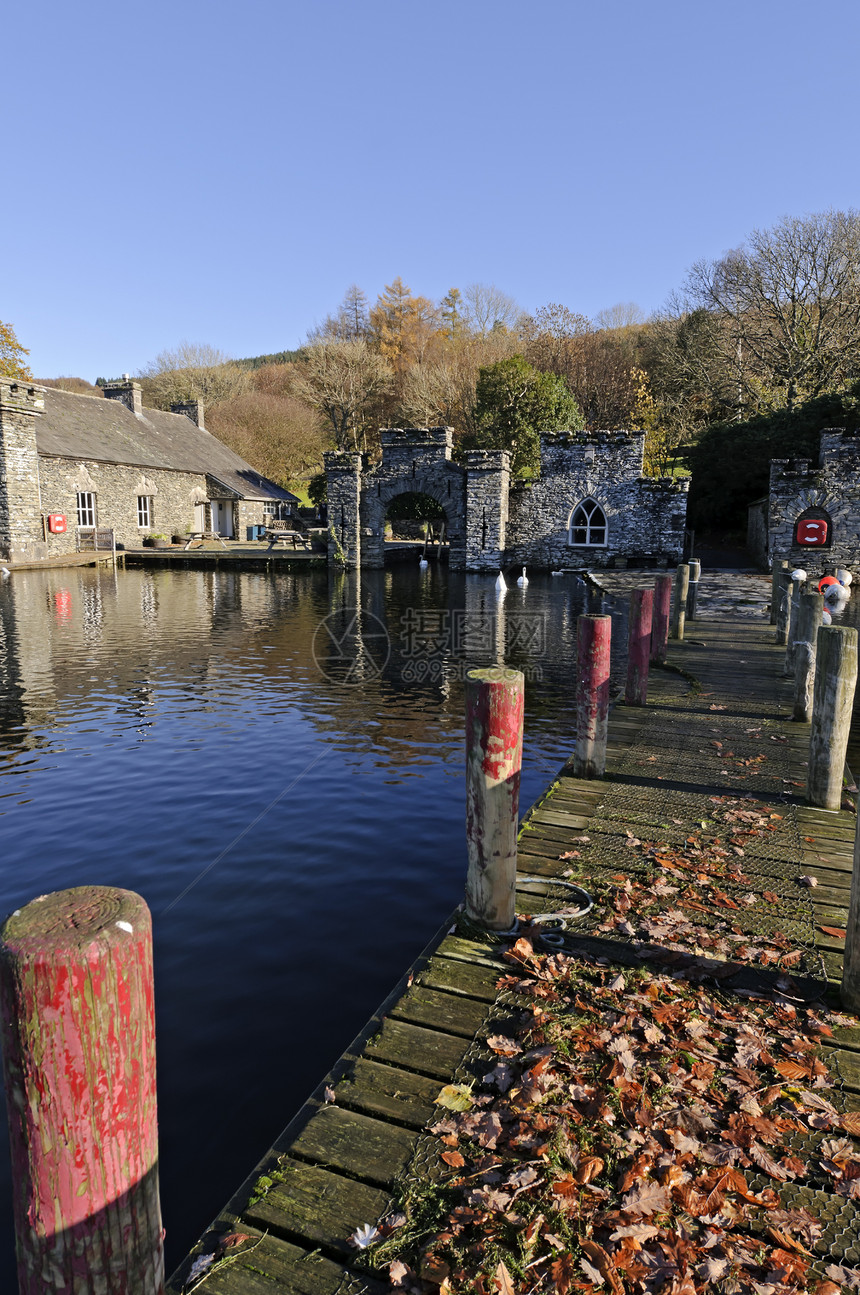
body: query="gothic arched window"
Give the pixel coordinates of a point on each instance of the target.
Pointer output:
(588, 524)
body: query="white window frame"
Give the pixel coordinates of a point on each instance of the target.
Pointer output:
(589, 517)
(86, 505)
(144, 512)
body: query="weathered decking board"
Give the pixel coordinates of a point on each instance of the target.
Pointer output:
(336, 1165)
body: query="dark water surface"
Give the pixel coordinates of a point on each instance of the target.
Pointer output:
(297, 837)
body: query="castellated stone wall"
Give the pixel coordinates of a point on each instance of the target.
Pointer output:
(646, 516)
(491, 523)
(21, 531)
(116, 487)
(833, 489)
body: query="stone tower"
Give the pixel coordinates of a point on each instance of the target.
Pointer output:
(22, 535)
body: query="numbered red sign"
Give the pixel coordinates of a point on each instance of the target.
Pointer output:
(56, 523)
(812, 532)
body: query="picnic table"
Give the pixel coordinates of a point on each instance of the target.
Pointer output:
(200, 536)
(297, 539)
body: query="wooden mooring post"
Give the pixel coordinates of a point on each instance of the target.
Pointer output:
(832, 700)
(494, 756)
(809, 613)
(783, 608)
(639, 646)
(593, 645)
(660, 619)
(78, 1031)
(798, 580)
(679, 607)
(775, 575)
(693, 591)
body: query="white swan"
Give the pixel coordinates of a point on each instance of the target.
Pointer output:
(501, 587)
(422, 562)
(523, 580)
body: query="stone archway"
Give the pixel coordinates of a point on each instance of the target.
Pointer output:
(414, 462)
(474, 498)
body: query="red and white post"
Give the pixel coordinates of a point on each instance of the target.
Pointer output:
(494, 757)
(78, 1030)
(660, 619)
(639, 646)
(593, 640)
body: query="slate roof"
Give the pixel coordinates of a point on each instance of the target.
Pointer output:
(106, 431)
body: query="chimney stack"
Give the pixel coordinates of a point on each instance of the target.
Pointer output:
(128, 392)
(192, 409)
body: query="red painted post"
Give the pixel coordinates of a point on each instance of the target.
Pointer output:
(494, 757)
(639, 646)
(593, 637)
(660, 619)
(78, 1030)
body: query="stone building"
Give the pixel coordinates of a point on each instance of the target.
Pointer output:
(811, 515)
(590, 505)
(72, 463)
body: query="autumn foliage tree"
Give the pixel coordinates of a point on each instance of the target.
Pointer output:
(12, 353)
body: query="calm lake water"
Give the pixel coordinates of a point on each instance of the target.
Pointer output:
(285, 790)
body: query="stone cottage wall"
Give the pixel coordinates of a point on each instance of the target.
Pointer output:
(116, 487)
(834, 487)
(646, 516)
(21, 530)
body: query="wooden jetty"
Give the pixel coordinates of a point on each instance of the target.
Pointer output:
(716, 724)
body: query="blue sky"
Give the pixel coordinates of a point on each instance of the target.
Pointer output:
(222, 172)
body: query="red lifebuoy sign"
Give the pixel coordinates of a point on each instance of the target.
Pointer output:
(811, 532)
(56, 523)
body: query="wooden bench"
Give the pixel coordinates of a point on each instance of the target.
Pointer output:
(201, 536)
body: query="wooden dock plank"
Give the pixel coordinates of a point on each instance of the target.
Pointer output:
(413, 1048)
(272, 1264)
(363, 1147)
(453, 1014)
(382, 1090)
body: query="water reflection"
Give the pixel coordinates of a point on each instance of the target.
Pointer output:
(297, 837)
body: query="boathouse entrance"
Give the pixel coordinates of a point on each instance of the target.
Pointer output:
(473, 497)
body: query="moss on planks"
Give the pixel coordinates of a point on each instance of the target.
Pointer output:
(312, 1206)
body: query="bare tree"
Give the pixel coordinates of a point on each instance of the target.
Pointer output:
(488, 308)
(789, 301)
(624, 314)
(191, 371)
(343, 379)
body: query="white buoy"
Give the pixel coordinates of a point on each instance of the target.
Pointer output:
(826, 618)
(798, 574)
(523, 580)
(556, 573)
(843, 576)
(501, 587)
